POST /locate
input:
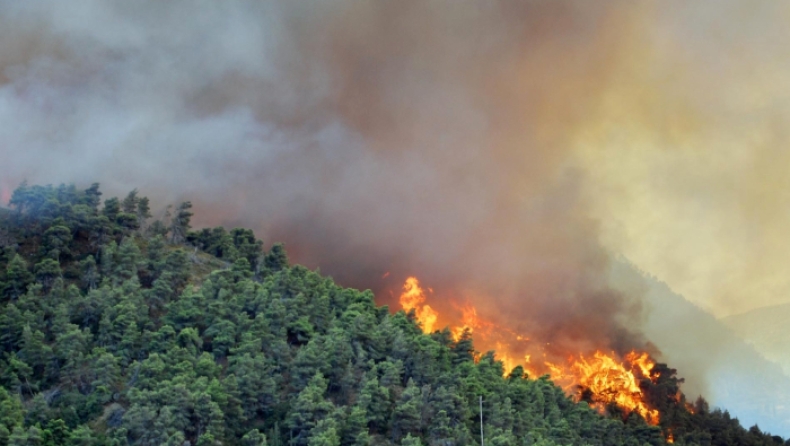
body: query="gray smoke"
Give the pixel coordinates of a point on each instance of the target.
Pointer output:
(412, 138)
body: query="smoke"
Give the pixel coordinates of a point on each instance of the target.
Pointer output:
(371, 137)
(500, 151)
(690, 154)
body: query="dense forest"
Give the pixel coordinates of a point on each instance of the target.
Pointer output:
(119, 329)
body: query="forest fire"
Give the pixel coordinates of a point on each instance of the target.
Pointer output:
(602, 380)
(413, 298)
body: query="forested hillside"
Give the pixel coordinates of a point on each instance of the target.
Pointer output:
(117, 330)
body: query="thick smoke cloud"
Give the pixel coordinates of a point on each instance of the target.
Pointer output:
(412, 138)
(500, 151)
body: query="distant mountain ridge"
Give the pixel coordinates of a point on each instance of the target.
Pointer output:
(767, 330)
(715, 361)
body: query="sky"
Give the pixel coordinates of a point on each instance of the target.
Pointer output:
(505, 152)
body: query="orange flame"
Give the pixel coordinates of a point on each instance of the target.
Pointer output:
(644, 363)
(413, 298)
(469, 321)
(602, 380)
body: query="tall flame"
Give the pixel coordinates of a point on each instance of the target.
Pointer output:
(601, 379)
(413, 298)
(469, 321)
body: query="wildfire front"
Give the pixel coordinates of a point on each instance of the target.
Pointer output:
(603, 380)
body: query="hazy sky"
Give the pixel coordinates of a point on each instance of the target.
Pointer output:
(688, 153)
(502, 149)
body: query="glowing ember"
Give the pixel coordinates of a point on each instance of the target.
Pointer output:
(413, 298)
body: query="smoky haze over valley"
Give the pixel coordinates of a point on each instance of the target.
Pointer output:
(503, 152)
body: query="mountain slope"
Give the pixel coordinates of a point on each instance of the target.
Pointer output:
(767, 330)
(110, 335)
(114, 335)
(713, 359)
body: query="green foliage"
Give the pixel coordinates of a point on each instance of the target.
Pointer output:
(254, 438)
(116, 337)
(112, 208)
(230, 246)
(11, 414)
(276, 259)
(309, 409)
(92, 197)
(46, 271)
(56, 241)
(17, 277)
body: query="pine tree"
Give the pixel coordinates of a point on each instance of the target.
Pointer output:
(324, 434)
(130, 203)
(276, 259)
(11, 413)
(90, 272)
(308, 410)
(18, 277)
(112, 207)
(56, 241)
(406, 416)
(46, 272)
(143, 212)
(254, 438)
(92, 196)
(179, 225)
(128, 260)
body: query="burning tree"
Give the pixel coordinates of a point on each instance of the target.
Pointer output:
(622, 386)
